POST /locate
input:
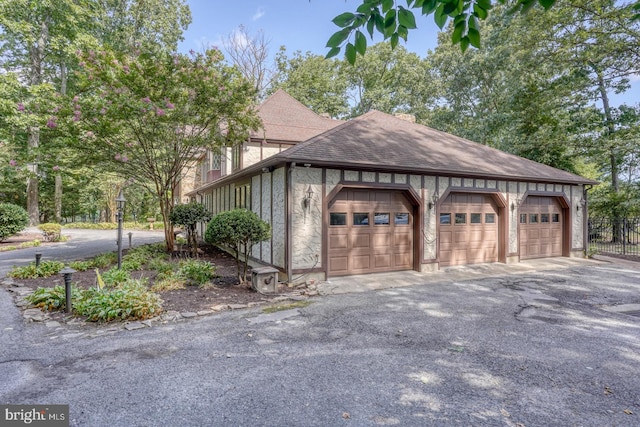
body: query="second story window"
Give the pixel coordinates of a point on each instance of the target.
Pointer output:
(237, 157)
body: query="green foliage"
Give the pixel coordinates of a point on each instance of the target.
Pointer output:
(32, 244)
(81, 265)
(104, 260)
(113, 225)
(196, 272)
(13, 219)
(55, 298)
(144, 113)
(51, 231)
(394, 21)
(239, 229)
(115, 276)
(129, 301)
(45, 269)
(161, 266)
(189, 215)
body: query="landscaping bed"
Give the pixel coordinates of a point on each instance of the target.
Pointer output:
(224, 291)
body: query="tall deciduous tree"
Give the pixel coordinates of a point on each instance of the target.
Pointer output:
(250, 53)
(313, 80)
(149, 114)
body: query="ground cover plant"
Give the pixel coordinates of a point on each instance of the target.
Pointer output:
(162, 283)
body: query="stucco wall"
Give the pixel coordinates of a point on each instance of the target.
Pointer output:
(278, 214)
(306, 222)
(265, 214)
(430, 219)
(250, 155)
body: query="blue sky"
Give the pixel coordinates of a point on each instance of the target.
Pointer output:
(302, 25)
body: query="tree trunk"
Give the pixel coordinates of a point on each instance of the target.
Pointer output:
(613, 157)
(33, 139)
(58, 199)
(36, 56)
(166, 203)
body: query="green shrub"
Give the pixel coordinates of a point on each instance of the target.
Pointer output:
(188, 216)
(13, 219)
(81, 265)
(162, 267)
(134, 262)
(104, 260)
(196, 272)
(51, 231)
(46, 269)
(238, 229)
(33, 244)
(131, 300)
(113, 225)
(115, 277)
(54, 298)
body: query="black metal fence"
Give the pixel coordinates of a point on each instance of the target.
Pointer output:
(616, 237)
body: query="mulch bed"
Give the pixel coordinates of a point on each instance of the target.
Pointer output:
(225, 289)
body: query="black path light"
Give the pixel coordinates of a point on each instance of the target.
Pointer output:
(120, 202)
(38, 257)
(67, 272)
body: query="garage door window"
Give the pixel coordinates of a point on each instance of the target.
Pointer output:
(461, 218)
(533, 218)
(523, 218)
(445, 218)
(337, 219)
(402, 218)
(544, 218)
(476, 218)
(361, 218)
(489, 218)
(555, 218)
(381, 218)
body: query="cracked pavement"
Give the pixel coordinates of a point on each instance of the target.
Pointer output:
(535, 349)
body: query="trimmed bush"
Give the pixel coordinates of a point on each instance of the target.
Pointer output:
(189, 216)
(13, 219)
(238, 229)
(51, 231)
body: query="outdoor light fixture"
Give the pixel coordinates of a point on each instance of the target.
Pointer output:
(581, 204)
(434, 200)
(67, 272)
(308, 197)
(120, 202)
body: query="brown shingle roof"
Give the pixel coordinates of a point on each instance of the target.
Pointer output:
(285, 119)
(380, 141)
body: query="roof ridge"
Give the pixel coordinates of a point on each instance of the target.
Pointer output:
(299, 103)
(286, 153)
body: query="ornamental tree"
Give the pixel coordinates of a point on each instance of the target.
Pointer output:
(189, 216)
(238, 229)
(148, 115)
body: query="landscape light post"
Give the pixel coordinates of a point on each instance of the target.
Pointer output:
(120, 202)
(67, 272)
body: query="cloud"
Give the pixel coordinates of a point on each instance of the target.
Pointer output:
(259, 14)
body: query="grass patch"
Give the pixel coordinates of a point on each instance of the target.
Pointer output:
(32, 244)
(287, 306)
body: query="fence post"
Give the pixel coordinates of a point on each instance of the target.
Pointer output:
(624, 236)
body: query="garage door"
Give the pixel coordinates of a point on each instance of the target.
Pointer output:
(369, 231)
(540, 228)
(468, 229)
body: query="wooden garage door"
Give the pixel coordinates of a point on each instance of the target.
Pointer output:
(541, 228)
(369, 231)
(468, 229)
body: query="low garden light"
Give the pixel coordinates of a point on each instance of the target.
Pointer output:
(38, 257)
(120, 203)
(67, 272)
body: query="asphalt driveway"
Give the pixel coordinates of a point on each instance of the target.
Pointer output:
(533, 349)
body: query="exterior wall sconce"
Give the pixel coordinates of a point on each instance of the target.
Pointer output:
(267, 169)
(515, 204)
(434, 200)
(581, 204)
(308, 197)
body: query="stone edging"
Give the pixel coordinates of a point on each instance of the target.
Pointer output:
(36, 315)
